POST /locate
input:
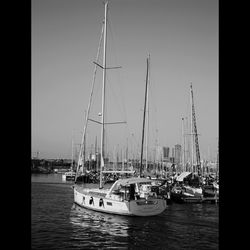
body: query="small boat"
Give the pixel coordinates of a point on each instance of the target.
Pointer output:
(188, 184)
(126, 196)
(69, 176)
(211, 190)
(186, 194)
(183, 191)
(163, 190)
(208, 191)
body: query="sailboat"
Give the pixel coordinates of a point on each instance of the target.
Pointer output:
(70, 175)
(125, 197)
(188, 188)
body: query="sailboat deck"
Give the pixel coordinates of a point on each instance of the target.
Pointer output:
(95, 192)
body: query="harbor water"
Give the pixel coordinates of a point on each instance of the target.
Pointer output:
(59, 224)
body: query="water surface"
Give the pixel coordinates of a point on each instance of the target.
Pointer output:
(59, 224)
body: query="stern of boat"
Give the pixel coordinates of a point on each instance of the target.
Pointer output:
(147, 207)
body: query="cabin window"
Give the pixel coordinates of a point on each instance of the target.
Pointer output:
(109, 203)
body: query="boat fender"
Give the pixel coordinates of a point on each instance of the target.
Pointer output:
(101, 203)
(91, 200)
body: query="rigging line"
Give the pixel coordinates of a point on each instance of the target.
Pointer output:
(120, 100)
(116, 63)
(117, 101)
(111, 35)
(81, 153)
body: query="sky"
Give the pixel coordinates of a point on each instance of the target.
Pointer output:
(181, 37)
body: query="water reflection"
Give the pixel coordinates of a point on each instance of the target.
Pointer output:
(114, 231)
(114, 225)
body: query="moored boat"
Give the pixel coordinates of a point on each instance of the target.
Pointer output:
(186, 194)
(69, 176)
(126, 196)
(188, 186)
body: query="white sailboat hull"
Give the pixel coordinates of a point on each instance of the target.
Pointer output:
(96, 200)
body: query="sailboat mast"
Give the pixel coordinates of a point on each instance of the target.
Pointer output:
(146, 167)
(127, 151)
(103, 92)
(191, 133)
(95, 145)
(198, 162)
(183, 146)
(72, 153)
(144, 114)
(217, 161)
(84, 138)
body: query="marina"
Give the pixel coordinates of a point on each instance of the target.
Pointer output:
(126, 157)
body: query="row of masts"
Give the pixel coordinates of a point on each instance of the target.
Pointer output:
(125, 155)
(146, 114)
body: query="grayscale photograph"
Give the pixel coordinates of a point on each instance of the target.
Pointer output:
(124, 124)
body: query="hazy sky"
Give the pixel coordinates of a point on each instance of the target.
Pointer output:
(182, 39)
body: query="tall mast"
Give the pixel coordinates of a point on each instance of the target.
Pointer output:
(95, 145)
(147, 116)
(183, 146)
(187, 145)
(84, 139)
(126, 154)
(156, 151)
(191, 132)
(144, 114)
(217, 161)
(127, 151)
(72, 153)
(122, 158)
(103, 91)
(198, 162)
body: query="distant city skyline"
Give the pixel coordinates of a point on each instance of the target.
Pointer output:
(181, 37)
